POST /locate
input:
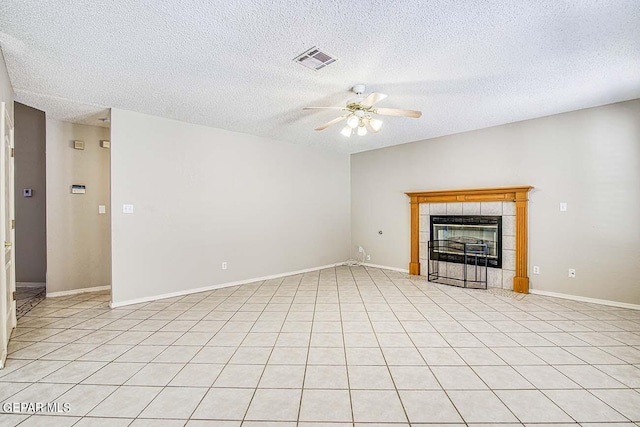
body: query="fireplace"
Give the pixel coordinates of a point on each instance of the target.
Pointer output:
(514, 206)
(461, 232)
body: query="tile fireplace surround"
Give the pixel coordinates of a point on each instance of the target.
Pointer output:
(496, 277)
(508, 202)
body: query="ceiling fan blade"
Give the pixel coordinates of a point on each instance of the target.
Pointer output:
(396, 112)
(372, 99)
(332, 122)
(323, 108)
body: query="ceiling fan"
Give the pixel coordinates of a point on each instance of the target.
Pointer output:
(359, 113)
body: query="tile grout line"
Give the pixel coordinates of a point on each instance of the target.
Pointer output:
(272, 348)
(384, 357)
(306, 365)
(416, 348)
(236, 311)
(344, 344)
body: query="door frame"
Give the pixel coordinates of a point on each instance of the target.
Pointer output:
(7, 234)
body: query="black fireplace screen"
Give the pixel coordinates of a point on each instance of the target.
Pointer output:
(484, 230)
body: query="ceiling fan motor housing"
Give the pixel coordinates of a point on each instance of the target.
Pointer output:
(359, 89)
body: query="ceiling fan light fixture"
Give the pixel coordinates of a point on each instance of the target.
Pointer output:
(375, 124)
(359, 113)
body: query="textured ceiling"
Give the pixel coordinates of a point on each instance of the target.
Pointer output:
(465, 64)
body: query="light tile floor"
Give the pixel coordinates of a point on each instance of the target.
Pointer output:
(344, 347)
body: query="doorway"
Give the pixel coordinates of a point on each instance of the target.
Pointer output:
(30, 206)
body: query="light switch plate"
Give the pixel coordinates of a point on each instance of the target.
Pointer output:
(128, 209)
(563, 206)
(102, 209)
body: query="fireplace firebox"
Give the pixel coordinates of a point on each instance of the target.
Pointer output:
(469, 230)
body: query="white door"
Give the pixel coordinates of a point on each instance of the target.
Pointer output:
(7, 234)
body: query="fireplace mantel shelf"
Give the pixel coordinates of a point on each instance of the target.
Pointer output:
(519, 195)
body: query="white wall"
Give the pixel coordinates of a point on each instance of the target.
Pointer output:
(202, 196)
(78, 246)
(589, 159)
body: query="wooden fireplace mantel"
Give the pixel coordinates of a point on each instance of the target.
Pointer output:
(518, 195)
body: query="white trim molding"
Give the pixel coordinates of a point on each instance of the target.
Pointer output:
(219, 286)
(77, 291)
(586, 299)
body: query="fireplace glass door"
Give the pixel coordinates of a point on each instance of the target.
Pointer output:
(460, 230)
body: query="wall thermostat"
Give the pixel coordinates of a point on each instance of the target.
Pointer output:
(27, 192)
(78, 145)
(78, 189)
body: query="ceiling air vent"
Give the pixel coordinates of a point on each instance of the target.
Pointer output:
(315, 59)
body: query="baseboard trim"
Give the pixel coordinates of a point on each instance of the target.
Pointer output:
(30, 284)
(386, 267)
(3, 358)
(77, 291)
(219, 286)
(586, 299)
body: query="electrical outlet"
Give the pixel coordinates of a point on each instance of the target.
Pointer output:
(536, 269)
(572, 273)
(224, 265)
(360, 249)
(368, 257)
(563, 206)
